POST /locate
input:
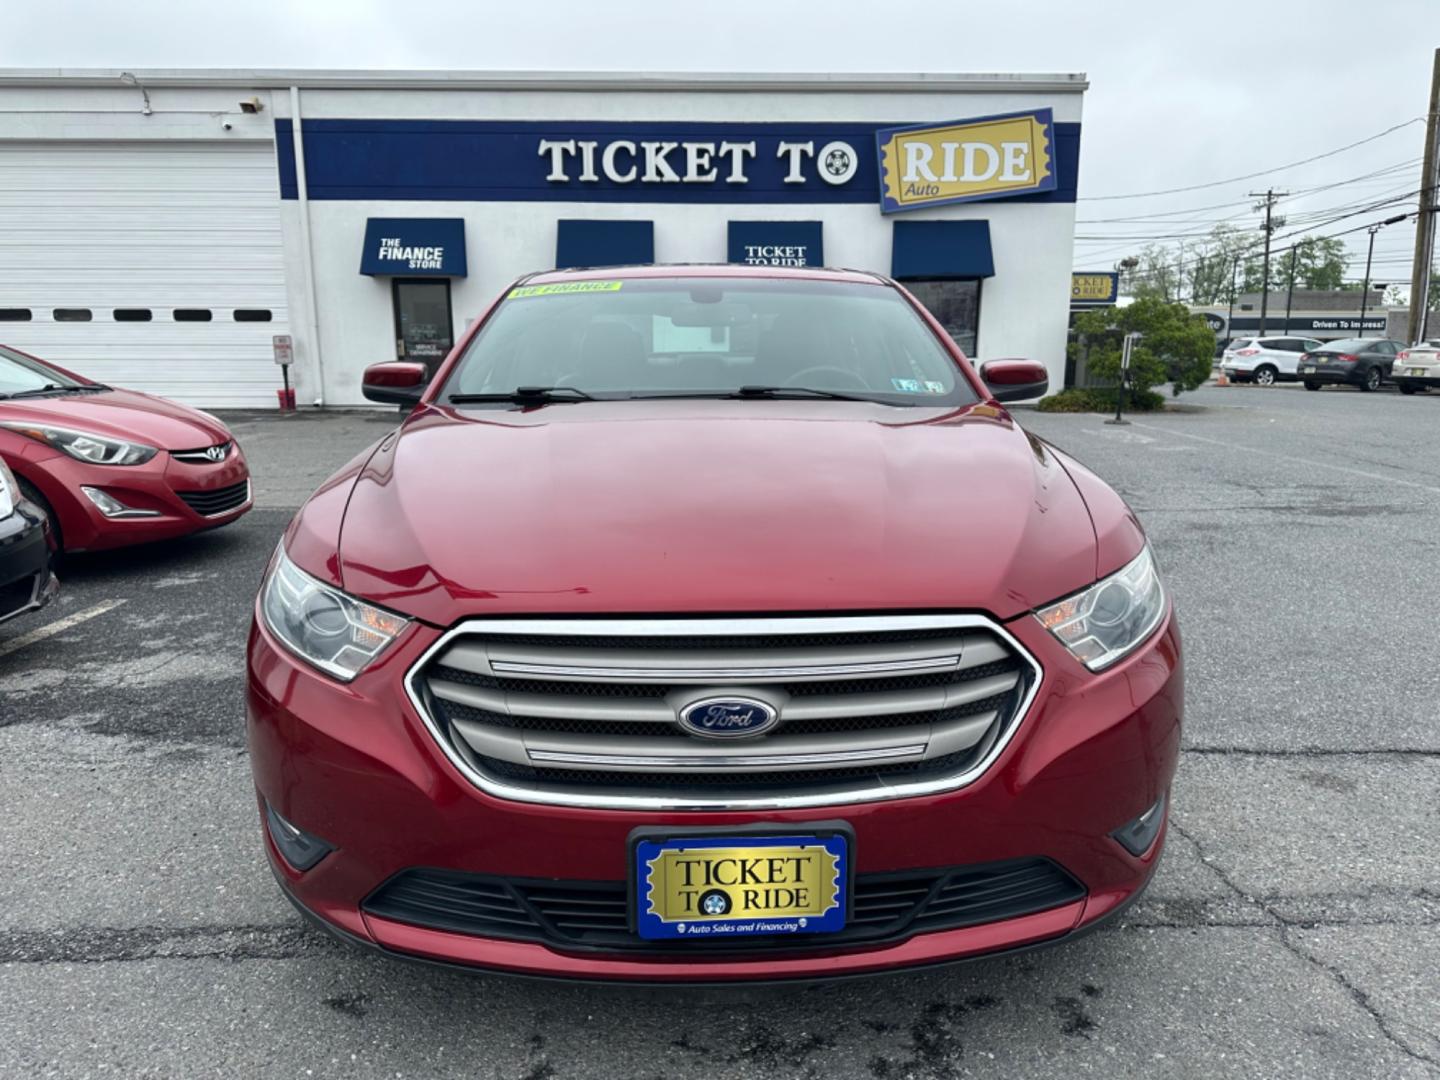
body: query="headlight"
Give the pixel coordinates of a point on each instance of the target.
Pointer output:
(1111, 617)
(84, 445)
(9, 491)
(322, 625)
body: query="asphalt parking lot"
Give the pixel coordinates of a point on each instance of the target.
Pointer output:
(1294, 927)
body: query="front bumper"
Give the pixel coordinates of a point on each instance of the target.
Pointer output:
(354, 765)
(26, 580)
(153, 487)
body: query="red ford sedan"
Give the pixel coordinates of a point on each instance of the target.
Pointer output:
(712, 624)
(114, 467)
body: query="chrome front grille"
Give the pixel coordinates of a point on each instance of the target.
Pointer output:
(585, 712)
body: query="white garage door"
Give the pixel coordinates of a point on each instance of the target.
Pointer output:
(155, 266)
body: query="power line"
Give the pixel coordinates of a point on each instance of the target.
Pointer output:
(1249, 251)
(1376, 175)
(1252, 176)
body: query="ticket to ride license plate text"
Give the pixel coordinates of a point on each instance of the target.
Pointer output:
(717, 887)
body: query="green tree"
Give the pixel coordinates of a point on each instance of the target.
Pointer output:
(1214, 263)
(1174, 346)
(1319, 263)
(1156, 274)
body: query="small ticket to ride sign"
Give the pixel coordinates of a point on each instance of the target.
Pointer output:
(724, 886)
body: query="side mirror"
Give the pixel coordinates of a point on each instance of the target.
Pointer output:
(1015, 380)
(395, 383)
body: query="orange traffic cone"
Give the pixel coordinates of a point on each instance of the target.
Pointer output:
(1222, 379)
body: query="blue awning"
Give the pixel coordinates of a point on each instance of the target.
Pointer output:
(941, 249)
(586, 242)
(414, 247)
(776, 243)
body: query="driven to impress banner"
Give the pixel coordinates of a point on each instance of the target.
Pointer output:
(987, 158)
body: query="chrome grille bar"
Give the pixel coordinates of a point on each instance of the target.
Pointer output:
(585, 712)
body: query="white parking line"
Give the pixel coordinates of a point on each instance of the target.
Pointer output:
(1310, 462)
(58, 626)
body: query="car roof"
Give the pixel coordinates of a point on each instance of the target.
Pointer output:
(707, 270)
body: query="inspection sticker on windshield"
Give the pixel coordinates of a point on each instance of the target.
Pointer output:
(915, 386)
(564, 287)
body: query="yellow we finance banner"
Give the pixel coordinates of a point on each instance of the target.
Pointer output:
(966, 160)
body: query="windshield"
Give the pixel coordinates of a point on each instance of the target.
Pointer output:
(19, 373)
(1347, 345)
(703, 337)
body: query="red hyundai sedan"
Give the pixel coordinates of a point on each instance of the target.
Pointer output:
(711, 623)
(115, 467)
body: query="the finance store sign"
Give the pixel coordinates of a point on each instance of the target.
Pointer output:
(900, 168)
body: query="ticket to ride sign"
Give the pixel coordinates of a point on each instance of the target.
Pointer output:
(716, 887)
(990, 157)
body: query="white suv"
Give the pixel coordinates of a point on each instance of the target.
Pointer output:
(1265, 360)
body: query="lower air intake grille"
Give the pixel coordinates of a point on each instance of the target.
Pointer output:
(594, 915)
(218, 500)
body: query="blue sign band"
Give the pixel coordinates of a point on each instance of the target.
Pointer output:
(501, 161)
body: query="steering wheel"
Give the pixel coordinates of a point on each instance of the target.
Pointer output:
(855, 381)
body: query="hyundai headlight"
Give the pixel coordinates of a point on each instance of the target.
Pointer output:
(322, 625)
(1101, 624)
(85, 445)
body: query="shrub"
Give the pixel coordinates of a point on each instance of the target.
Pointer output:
(1175, 346)
(1091, 399)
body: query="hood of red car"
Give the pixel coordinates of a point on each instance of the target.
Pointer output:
(126, 414)
(711, 506)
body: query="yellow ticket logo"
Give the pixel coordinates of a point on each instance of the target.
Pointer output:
(1098, 288)
(563, 287)
(699, 884)
(967, 160)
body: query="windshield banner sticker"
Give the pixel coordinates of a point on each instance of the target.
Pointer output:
(564, 287)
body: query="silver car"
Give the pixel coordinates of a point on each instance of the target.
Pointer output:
(1418, 367)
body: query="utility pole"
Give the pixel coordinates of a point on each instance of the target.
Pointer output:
(1365, 289)
(1429, 207)
(1271, 224)
(1290, 294)
(1230, 315)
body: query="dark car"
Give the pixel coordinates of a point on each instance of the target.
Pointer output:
(26, 546)
(1362, 362)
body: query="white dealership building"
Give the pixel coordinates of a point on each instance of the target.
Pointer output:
(161, 229)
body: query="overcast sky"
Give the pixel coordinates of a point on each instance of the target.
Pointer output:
(1180, 94)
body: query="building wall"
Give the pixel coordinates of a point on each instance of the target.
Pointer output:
(1024, 307)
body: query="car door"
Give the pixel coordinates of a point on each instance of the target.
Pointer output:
(1382, 355)
(1285, 355)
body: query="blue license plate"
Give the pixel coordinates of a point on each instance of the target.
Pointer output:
(741, 886)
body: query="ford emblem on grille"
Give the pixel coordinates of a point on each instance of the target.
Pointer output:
(727, 717)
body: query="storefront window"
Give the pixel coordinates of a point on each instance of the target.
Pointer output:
(423, 331)
(956, 304)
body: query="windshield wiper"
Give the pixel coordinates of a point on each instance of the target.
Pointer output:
(40, 391)
(794, 391)
(525, 394)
